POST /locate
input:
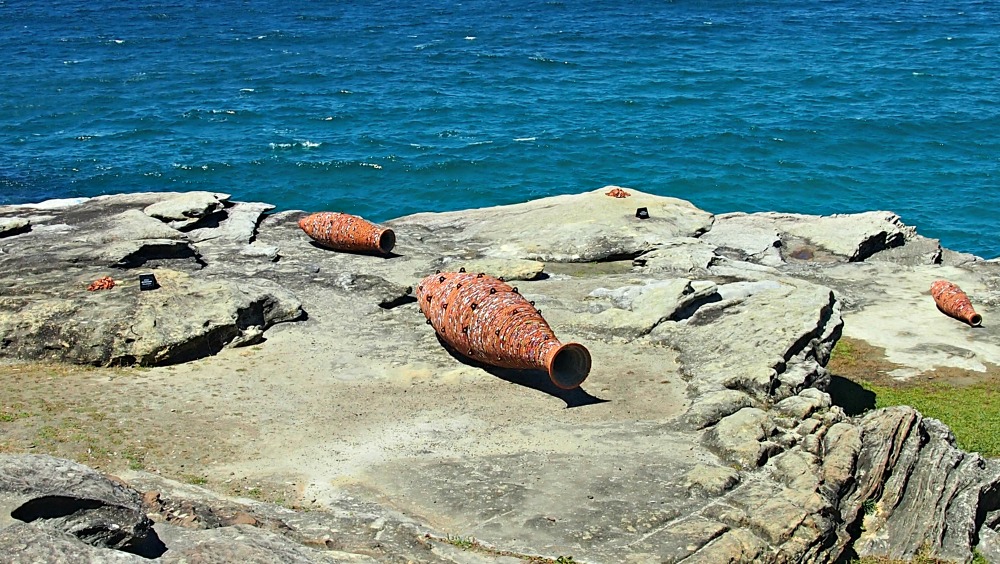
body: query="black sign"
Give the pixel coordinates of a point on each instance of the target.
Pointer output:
(147, 282)
(642, 213)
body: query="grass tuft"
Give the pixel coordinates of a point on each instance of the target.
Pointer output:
(966, 401)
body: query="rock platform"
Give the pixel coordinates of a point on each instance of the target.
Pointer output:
(704, 433)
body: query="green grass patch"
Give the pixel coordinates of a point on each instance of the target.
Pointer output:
(966, 401)
(11, 416)
(195, 479)
(972, 412)
(844, 352)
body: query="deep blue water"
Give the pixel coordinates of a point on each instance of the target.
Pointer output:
(389, 108)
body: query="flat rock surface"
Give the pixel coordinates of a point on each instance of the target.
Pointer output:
(703, 431)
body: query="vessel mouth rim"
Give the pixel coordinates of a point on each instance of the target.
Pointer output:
(570, 366)
(386, 241)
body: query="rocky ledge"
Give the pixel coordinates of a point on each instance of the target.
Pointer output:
(705, 432)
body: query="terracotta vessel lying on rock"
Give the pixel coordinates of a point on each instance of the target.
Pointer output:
(345, 232)
(953, 301)
(488, 321)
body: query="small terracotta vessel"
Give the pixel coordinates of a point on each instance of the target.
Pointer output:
(102, 283)
(953, 301)
(345, 232)
(488, 321)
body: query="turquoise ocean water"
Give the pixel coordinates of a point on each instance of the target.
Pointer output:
(389, 108)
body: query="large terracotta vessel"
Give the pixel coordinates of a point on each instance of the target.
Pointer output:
(345, 232)
(953, 301)
(487, 320)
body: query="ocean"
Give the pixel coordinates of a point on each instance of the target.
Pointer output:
(388, 108)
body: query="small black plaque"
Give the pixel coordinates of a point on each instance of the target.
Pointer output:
(642, 213)
(147, 282)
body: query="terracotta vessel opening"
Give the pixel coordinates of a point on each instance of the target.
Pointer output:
(386, 241)
(569, 366)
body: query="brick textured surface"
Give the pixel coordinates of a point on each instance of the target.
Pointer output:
(487, 320)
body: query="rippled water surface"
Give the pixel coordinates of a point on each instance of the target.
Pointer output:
(389, 108)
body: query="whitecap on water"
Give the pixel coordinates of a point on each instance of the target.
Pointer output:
(304, 144)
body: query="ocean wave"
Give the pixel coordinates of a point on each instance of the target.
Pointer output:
(197, 113)
(294, 144)
(547, 60)
(337, 165)
(201, 167)
(849, 93)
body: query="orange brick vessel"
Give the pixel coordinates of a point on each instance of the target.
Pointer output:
(345, 232)
(953, 301)
(102, 283)
(487, 320)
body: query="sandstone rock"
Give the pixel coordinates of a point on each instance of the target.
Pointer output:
(386, 294)
(746, 237)
(714, 480)
(22, 543)
(185, 318)
(769, 344)
(917, 250)
(129, 239)
(842, 444)
(681, 256)
(65, 497)
(856, 236)
(736, 546)
(185, 209)
(242, 543)
(573, 228)
(804, 404)
(852, 236)
(45, 311)
(636, 309)
(236, 223)
(740, 438)
(928, 494)
(709, 408)
(14, 226)
(509, 270)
